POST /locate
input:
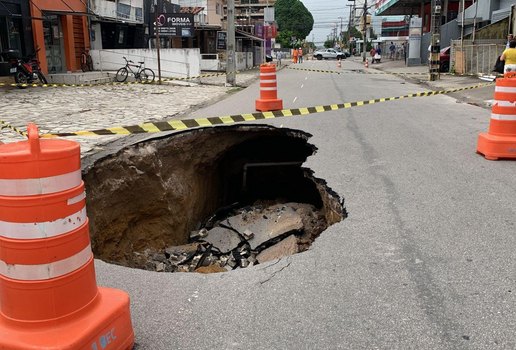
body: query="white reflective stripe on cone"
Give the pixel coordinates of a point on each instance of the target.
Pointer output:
(505, 89)
(76, 199)
(503, 116)
(44, 185)
(37, 230)
(46, 271)
(504, 103)
(268, 81)
(268, 89)
(267, 74)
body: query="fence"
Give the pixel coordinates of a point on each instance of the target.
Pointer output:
(477, 59)
(175, 63)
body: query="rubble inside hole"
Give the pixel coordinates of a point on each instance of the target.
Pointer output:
(208, 200)
(243, 238)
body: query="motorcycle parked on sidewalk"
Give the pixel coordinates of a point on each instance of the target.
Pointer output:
(26, 70)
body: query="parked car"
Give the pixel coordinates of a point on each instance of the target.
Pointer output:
(444, 59)
(329, 53)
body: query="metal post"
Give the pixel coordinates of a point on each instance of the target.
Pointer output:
(364, 17)
(158, 43)
(230, 66)
(435, 49)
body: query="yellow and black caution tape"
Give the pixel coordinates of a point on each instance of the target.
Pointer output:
(5, 125)
(108, 83)
(356, 71)
(117, 83)
(170, 125)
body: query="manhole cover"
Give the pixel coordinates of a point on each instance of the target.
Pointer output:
(208, 200)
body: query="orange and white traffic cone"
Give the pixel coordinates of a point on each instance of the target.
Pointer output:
(49, 297)
(500, 140)
(268, 100)
(366, 64)
(339, 65)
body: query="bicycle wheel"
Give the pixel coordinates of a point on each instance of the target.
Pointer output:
(84, 66)
(121, 75)
(89, 63)
(147, 75)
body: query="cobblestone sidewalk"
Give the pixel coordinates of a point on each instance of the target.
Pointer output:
(75, 109)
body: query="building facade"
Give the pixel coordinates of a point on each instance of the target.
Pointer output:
(15, 26)
(118, 24)
(60, 33)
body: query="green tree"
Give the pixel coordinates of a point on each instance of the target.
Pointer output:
(329, 43)
(294, 20)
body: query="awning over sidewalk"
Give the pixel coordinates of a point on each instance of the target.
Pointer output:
(397, 7)
(240, 33)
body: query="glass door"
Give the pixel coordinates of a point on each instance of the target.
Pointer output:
(54, 44)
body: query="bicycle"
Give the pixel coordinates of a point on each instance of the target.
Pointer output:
(144, 75)
(86, 61)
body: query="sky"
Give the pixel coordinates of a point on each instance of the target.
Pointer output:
(326, 15)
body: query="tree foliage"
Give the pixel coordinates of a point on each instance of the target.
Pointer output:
(294, 21)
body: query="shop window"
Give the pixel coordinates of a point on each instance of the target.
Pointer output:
(124, 11)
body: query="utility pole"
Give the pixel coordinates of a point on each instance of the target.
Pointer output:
(351, 13)
(231, 64)
(158, 43)
(341, 37)
(435, 48)
(364, 30)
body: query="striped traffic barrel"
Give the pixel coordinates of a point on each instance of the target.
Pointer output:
(500, 140)
(46, 263)
(268, 100)
(49, 297)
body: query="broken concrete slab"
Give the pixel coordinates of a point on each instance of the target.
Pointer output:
(266, 224)
(286, 247)
(223, 239)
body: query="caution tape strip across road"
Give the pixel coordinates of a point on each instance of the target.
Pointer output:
(183, 124)
(356, 71)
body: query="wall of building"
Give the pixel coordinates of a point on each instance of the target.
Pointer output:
(175, 63)
(128, 10)
(215, 12)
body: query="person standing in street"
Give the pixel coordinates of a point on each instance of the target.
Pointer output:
(509, 57)
(300, 55)
(294, 55)
(372, 53)
(279, 55)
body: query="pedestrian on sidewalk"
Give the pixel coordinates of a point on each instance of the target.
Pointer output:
(392, 50)
(294, 55)
(509, 57)
(300, 55)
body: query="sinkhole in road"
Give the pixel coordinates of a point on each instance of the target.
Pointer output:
(208, 200)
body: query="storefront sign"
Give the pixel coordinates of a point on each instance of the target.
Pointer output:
(175, 24)
(222, 40)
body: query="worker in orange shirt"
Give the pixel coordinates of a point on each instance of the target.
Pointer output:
(294, 55)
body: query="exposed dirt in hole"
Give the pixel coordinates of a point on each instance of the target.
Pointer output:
(208, 200)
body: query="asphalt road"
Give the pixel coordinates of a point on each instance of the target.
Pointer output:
(425, 260)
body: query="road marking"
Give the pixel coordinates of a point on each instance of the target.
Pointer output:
(302, 85)
(295, 98)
